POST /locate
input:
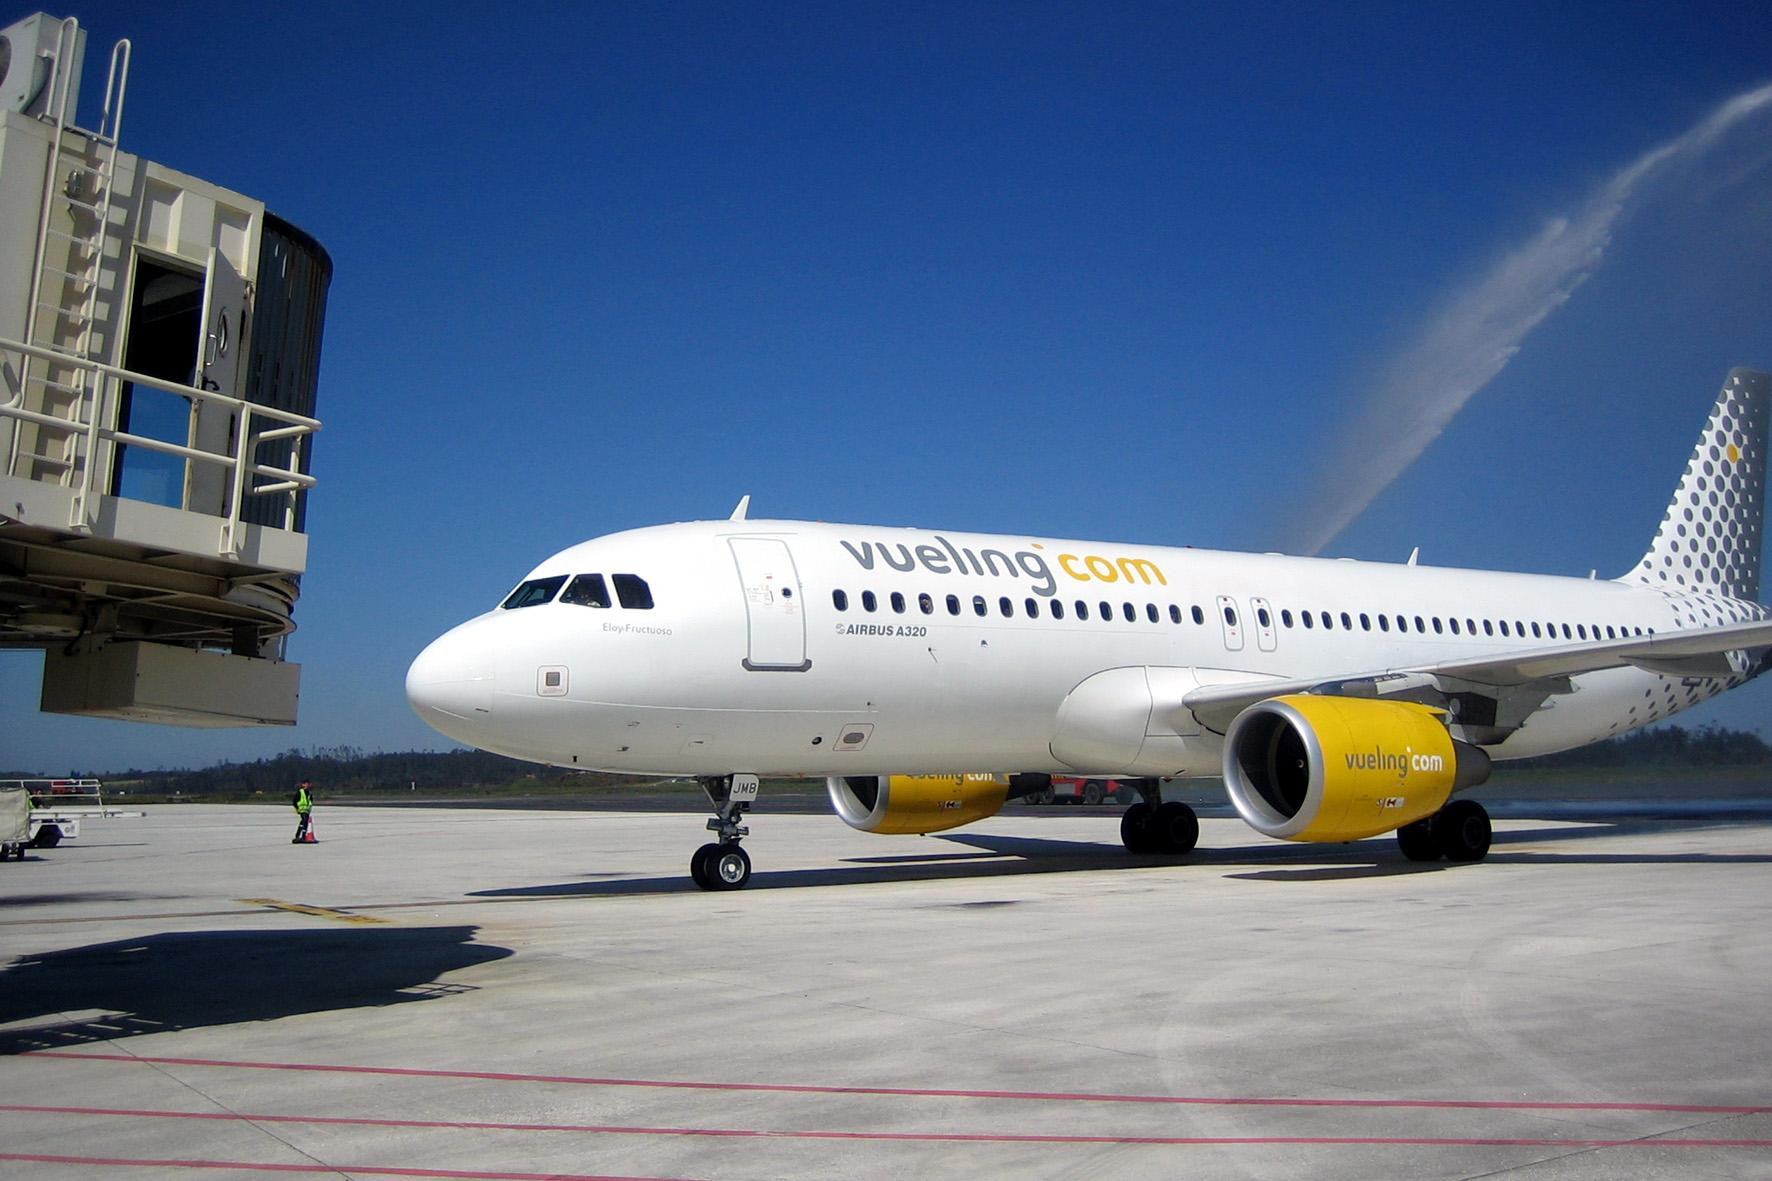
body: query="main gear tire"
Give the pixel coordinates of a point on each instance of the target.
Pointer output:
(1462, 831)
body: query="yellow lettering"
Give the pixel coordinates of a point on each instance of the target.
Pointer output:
(1065, 560)
(1143, 569)
(1098, 565)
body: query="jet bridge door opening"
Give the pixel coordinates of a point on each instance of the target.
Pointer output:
(187, 328)
(774, 612)
(165, 328)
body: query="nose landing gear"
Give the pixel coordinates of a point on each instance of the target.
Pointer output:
(724, 865)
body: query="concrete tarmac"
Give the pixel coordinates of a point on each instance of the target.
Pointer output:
(503, 994)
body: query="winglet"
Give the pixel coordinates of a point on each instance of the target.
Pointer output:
(1414, 555)
(743, 510)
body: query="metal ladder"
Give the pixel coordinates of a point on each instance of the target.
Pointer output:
(82, 178)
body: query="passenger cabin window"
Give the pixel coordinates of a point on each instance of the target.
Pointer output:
(535, 592)
(869, 601)
(840, 600)
(588, 590)
(634, 594)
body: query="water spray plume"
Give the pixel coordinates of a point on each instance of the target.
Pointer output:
(1480, 328)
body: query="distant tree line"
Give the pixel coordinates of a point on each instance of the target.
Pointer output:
(343, 770)
(1664, 746)
(347, 769)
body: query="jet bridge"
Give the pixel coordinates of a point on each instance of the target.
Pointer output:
(159, 355)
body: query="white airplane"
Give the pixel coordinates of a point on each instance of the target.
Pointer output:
(931, 676)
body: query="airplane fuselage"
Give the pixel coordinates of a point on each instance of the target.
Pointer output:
(798, 648)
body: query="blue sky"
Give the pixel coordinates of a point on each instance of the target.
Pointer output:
(1119, 271)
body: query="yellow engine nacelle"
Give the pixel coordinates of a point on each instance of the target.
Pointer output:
(916, 803)
(1316, 768)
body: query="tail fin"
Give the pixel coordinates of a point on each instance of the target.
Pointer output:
(1709, 541)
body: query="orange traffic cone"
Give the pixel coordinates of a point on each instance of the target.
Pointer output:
(310, 839)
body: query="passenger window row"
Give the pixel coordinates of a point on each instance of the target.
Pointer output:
(1006, 607)
(585, 590)
(1515, 629)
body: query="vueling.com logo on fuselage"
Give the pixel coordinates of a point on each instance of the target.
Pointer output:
(944, 557)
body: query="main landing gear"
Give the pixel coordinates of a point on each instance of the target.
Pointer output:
(724, 865)
(1458, 832)
(1152, 826)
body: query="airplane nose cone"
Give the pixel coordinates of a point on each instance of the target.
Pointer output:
(450, 685)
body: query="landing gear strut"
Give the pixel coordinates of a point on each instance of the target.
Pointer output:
(724, 865)
(1458, 832)
(1152, 826)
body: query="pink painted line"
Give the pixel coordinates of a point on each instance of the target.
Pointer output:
(922, 1092)
(256, 1167)
(924, 1137)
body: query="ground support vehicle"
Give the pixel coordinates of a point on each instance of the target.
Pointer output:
(15, 822)
(1068, 790)
(57, 806)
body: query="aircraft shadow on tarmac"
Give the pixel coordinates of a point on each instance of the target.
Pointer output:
(1007, 856)
(191, 979)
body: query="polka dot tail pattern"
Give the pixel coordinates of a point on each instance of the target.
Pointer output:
(1709, 542)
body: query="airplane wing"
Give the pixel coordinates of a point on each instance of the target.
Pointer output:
(1491, 695)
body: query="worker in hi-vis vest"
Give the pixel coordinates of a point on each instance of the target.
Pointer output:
(304, 804)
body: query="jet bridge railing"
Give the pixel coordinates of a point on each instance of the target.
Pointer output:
(255, 425)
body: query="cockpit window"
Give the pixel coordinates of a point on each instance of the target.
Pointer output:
(633, 592)
(535, 592)
(588, 590)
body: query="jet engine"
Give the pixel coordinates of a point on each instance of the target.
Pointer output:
(922, 803)
(1318, 768)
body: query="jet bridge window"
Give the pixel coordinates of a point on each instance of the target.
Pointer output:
(588, 590)
(635, 595)
(535, 592)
